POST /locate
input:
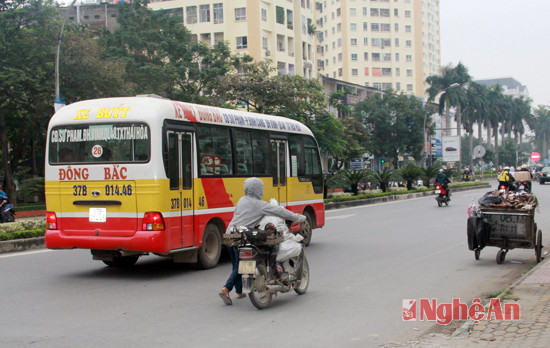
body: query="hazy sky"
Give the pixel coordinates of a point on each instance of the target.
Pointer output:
(500, 38)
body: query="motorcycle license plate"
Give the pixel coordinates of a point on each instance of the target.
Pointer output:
(437, 192)
(247, 267)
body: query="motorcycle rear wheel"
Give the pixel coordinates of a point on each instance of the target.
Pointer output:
(304, 282)
(258, 296)
(9, 217)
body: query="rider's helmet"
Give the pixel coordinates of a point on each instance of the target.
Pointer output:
(441, 170)
(506, 168)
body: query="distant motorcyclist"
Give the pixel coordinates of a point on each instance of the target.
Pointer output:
(444, 181)
(250, 209)
(505, 178)
(3, 197)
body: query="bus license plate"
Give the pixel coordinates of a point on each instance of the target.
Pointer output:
(98, 214)
(247, 267)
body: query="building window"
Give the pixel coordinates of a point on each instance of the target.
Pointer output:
(384, 27)
(386, 86)
(354, 42)
(408, 43)
(366, 74)
(398, 86)
(409, 72)
(366, 56)
(264, 15)
(397, 72)
(289, 19)
(396, 27)
(338, 12)
(387, 57)
(191, 14)
(407, 14)
(264, 43)
(384, 12)
(396, 12)
(242, 42)
(365, 41)
(409, 58)
(386, 71)
(354, 57)
(217, 10)
(354, 72)
(377, 85)
(365, 26)
(240, 14)
(352, 12)
(280, 15)
(339, 57)
(353, 26)
(339, 42)
(375, 27)
(364, 11)
(408, 28)
(340, 72)
(376, 57)
(409, 87)
(397, 57)
(374, 12)
(385, 43)
(204, 13)
(339, 27)
(375, 41)
(281, 68)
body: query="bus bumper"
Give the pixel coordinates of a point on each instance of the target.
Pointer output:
(146, 241)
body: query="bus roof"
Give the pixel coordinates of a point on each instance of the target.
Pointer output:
(148, 107)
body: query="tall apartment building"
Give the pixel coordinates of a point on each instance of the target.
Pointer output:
(379, 43)
(280, 30)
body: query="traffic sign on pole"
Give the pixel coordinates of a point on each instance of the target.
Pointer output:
(535, 156)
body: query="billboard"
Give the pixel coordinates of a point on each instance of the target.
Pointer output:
(450, 146)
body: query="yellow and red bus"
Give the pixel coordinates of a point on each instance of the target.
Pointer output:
(130, 176)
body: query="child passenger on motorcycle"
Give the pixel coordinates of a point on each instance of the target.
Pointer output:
(250, 209)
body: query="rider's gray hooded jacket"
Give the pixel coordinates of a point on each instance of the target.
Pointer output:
(250, 209)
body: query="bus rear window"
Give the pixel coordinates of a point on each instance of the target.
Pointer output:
(105, 143)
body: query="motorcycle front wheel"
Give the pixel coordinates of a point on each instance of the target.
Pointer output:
(304, 282)
(258, 296)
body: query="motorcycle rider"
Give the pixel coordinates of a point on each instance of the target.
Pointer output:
(505, 178)
(3, 197)
(250, 209)
(443, 180)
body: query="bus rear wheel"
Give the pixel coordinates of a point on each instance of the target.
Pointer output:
(209, 253)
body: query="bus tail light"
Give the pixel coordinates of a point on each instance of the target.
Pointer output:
(51, 221)
(153, 221)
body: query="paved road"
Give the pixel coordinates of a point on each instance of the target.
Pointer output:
(363, 263)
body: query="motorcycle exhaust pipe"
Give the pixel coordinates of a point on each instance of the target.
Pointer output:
(274, 288)
(247, 283)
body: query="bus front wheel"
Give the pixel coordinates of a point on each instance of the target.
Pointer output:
(209, 253)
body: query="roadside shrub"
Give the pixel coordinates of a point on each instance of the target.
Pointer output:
(31, 224)
(22, 234)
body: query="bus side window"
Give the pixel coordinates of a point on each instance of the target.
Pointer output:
(173, 168)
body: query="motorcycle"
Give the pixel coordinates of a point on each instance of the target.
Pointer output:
(441, 195)
(7, 213)
(262, 275)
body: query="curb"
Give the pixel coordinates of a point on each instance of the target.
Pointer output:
(9, 246)
(392, 198)
(464, 330)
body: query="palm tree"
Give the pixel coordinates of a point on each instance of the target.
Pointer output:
(473, 112)
(495, 104)
(382, 178)
(430, 173)
(542, 127)
(450, 83)
(410, 173)
(352, 178)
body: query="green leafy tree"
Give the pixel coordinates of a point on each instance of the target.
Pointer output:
(395, 124)
(160, 57)
(541, 124)
(256, 86)
(28, 34)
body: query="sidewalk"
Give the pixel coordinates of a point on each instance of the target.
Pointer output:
(532, 293)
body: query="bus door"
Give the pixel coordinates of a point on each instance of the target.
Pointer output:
(278, 156)
(180, 172)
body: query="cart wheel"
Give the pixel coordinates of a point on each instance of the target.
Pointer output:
(476, 254)
(500, 256)
(538, 246)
